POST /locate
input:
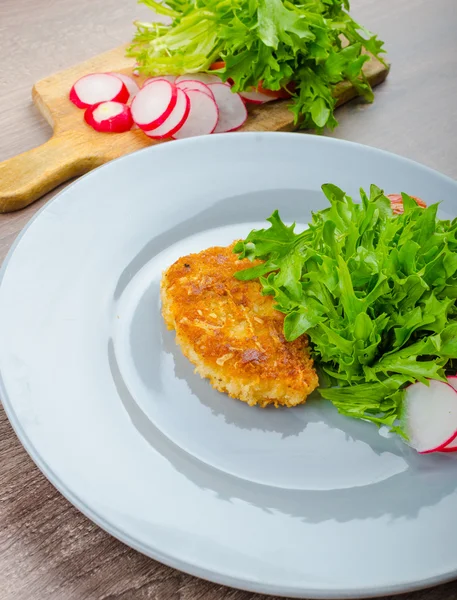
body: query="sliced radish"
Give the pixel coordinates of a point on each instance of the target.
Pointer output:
(170, 78)
(175, 121)
(153, 104)
(232, 111)
(194, 84)
(109, 117)
(452, 447)
(131, 85)
(281, 94)
(430, 416)
(203, 77)
(202, 118)
(452, 380)
(98, 87)
(396, 202)
(254, 97)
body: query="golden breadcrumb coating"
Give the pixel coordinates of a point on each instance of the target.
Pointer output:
(231, 333)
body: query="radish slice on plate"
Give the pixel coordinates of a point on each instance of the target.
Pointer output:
(255, 97)
(153, 104)
(175, 121)
(452, 380)
(202, 118)
(194, 84)
(396, 202)
(430, 416)
(131, 85)
(109, 117)
(203, 77)
(98, 87)
(452, 447)
(232, 111)
(170, 78)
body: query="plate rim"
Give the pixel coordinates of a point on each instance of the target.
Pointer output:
(167, 559)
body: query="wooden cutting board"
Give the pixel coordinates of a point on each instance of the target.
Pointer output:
(75, 148)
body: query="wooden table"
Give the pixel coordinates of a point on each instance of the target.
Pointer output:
(48, 550)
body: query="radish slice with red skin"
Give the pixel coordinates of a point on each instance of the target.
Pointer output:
(430, 416)
(194, 84)
(202, 118)
(232, 110)
(109, 117)
(170, 78)
(175, 121)
(98, 87)
(154, 103)
(131, 85)
(452, 380)
(94, 88)
(203, 77)
(255, 97)
(452, 447)
(396, 202)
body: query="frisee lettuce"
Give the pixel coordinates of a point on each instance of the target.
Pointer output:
(375, 292)
(291, 44)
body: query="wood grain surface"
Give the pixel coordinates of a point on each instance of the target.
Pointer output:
(48, 550)
(75, 148)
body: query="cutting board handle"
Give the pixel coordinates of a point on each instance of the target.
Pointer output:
(26, 177)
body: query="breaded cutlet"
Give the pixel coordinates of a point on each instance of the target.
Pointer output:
(231, 333)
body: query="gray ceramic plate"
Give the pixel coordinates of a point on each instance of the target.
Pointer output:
(298, 502)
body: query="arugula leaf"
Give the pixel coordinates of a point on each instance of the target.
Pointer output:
(375, 293)
(281, 43)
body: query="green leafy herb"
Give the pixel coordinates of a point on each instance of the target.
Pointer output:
(375, 292)
(291, 44)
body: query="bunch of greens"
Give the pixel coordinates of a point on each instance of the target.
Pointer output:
(375, 292)
(291, 44)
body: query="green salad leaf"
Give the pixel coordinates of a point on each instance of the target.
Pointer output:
(375, 292)
(292, 44)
